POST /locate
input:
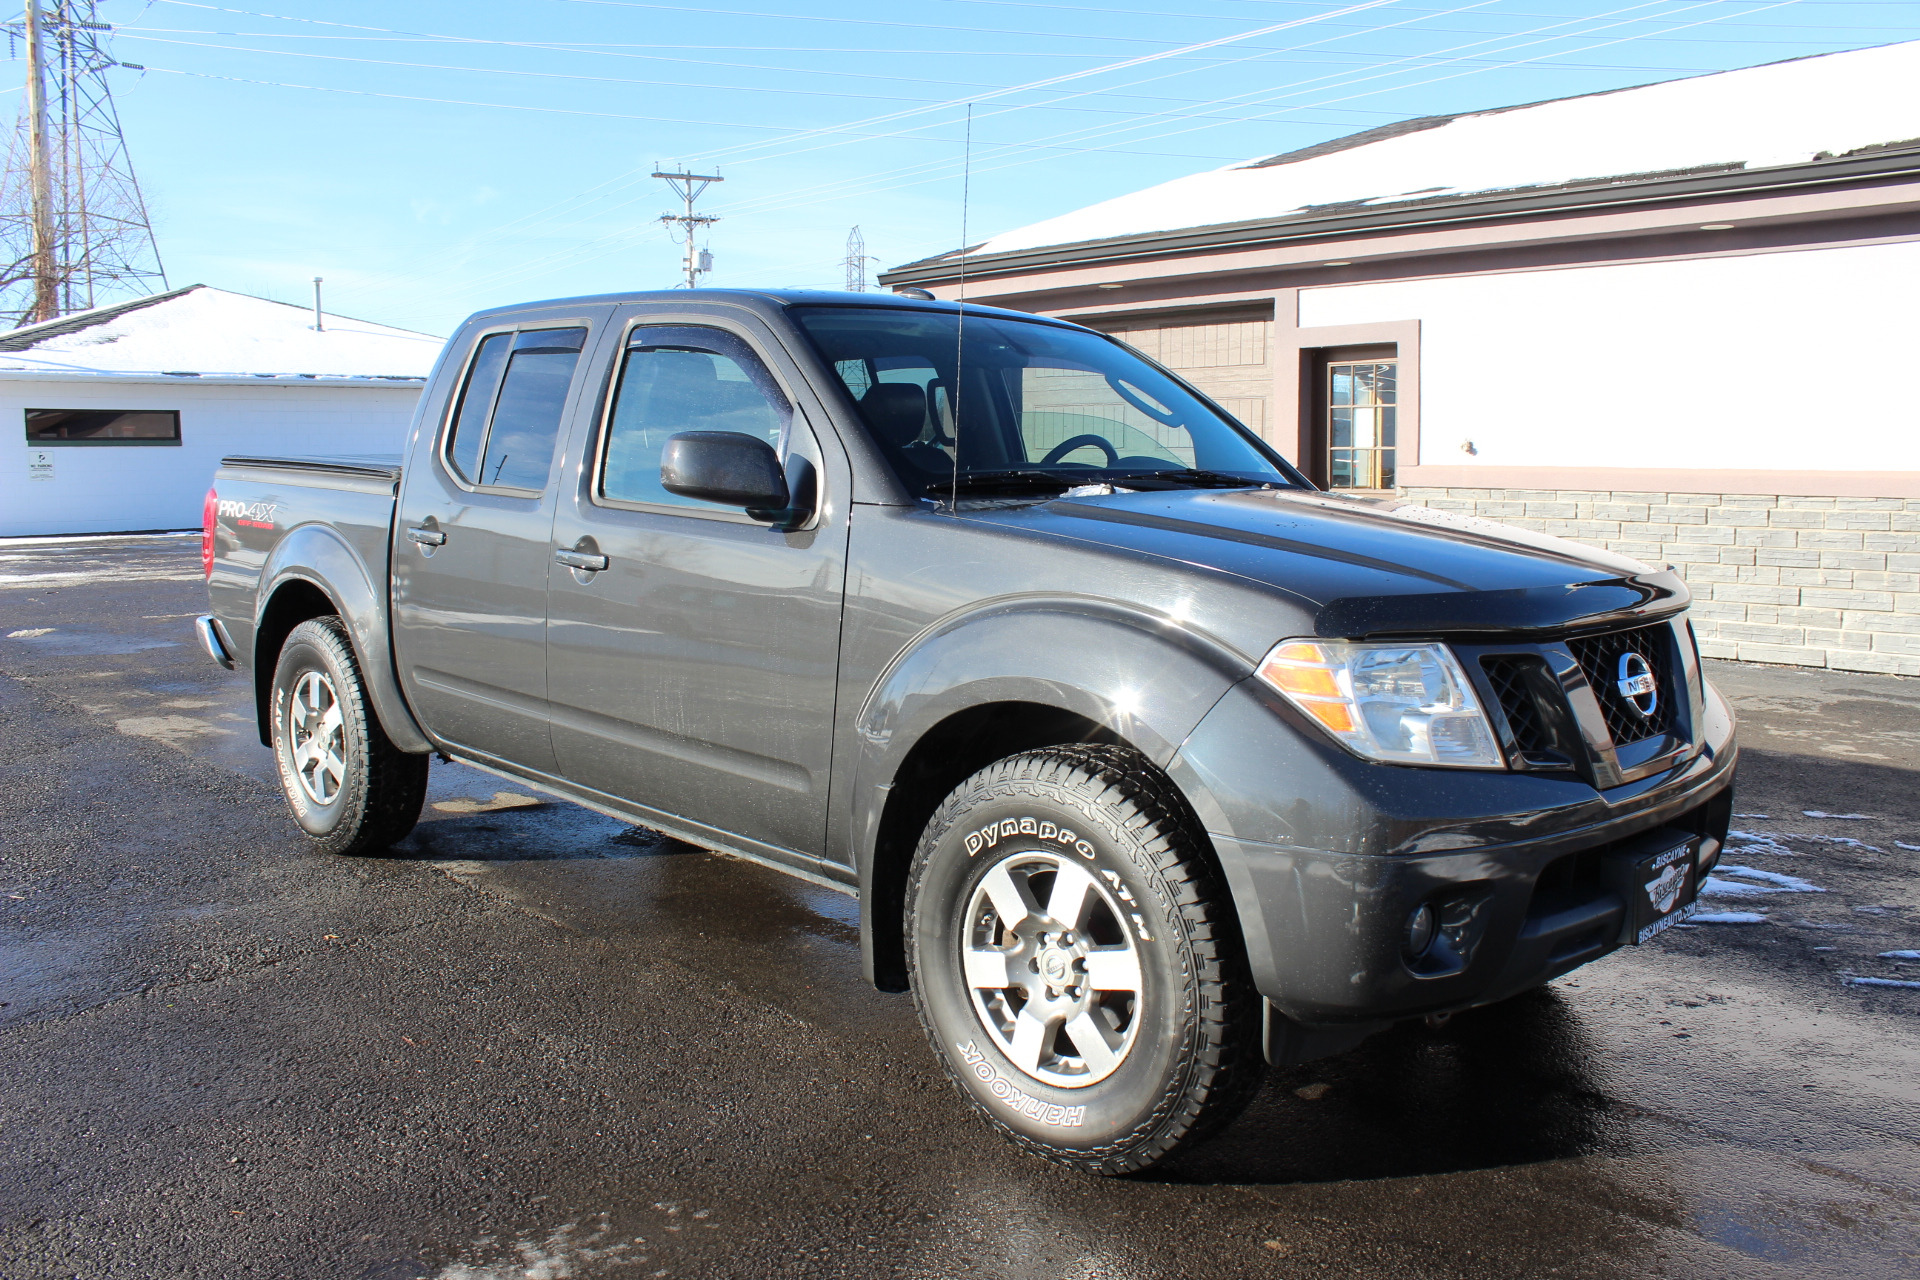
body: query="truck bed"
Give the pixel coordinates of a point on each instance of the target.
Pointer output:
(297, 510)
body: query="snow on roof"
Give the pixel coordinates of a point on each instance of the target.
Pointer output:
(1758, 117)
(207, 331)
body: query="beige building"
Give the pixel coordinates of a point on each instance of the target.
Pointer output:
(1667, 320)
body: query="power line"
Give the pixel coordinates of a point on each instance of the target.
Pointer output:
(141, 33)
(666, 84)
(831, 190)
(1109, 131)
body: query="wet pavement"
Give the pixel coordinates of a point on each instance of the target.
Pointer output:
(536, 1043)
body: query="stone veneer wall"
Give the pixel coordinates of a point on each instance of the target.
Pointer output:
(1815, 582)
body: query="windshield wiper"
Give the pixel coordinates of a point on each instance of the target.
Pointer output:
(1201, 478)
(1013, 478)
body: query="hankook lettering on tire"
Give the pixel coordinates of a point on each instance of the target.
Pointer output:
(1020, 1100)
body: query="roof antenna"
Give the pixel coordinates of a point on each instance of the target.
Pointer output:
(960, 326)
(318, 326)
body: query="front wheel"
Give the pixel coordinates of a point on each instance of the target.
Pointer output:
(351, 790)
(1075, 962)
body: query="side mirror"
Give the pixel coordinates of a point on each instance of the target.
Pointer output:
(727, 468)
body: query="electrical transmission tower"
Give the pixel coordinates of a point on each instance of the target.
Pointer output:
(73, 225)
(856, 261)
(688, 187)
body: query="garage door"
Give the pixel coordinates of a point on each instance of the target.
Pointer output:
(1228, 355)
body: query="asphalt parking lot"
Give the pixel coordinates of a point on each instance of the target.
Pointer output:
(535, 1043)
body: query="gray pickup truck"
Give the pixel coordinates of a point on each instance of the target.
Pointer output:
(1147, 762)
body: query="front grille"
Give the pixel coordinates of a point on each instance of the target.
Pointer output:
(1507, 673)
(1599, 658)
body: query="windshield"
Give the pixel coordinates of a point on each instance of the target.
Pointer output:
(1026, 405)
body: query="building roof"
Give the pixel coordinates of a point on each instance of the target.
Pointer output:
(1728, 122)
(200, 331)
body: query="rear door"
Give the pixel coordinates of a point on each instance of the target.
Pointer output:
(694, 674)
(474, 539)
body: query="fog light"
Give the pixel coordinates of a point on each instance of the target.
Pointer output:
(1420, 928)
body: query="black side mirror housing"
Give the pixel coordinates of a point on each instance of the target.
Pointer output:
(728, 468)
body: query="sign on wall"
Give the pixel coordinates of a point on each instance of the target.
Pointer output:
(39, 464)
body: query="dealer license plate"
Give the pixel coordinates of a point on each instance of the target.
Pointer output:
(1659, 890)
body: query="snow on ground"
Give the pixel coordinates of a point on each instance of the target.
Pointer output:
(1840, 817)
(1729, 917)
(1783, 113)
(1753, 882)
(1900, 955)
(1745, 842)
(1882, 982)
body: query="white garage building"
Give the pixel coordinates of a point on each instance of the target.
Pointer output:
(119, 415)
(1670, 320)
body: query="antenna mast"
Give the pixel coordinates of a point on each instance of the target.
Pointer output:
(688, 187)
(73, 223)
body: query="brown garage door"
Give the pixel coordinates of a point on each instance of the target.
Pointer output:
(1227, 354)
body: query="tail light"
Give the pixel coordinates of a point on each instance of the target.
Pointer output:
(209, 516)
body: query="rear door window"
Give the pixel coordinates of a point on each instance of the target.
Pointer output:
(508, 419)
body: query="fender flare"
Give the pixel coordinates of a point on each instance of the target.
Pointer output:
(1147, 679)
(317, 555)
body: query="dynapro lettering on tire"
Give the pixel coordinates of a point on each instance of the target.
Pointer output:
(1075, 961)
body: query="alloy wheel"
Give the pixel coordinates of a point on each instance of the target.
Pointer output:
(1052, 967)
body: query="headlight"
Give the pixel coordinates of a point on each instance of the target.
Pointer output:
(1400, 703)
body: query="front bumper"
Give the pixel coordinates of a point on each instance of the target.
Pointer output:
(1327, 856)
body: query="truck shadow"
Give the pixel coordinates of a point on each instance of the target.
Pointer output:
(1505, 1085)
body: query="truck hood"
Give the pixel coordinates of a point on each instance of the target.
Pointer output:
(1369, 569)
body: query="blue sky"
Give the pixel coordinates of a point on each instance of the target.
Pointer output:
(429, 158)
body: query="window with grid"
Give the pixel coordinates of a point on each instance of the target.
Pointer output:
(1361, 404)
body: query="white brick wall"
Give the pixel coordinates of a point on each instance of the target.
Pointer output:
(1815, 582)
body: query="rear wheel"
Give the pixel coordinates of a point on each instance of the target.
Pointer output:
(351, 790)
(1075, 963)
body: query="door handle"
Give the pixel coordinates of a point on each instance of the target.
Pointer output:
(427, 537)
(580, 560)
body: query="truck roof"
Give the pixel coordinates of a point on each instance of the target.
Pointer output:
(768, 301)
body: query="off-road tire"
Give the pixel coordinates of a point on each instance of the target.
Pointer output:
(379, 788)
(1194, 1059)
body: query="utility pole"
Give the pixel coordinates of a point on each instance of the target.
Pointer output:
(46, 282)
(856, 261)
(318, 327)
(688, 187)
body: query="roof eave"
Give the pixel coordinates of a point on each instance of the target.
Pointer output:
(389, 380)
(1499, 206)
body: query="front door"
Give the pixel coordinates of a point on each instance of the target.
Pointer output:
(475, 541)
(694, 673)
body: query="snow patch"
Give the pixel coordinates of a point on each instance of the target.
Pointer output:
(1911, 848)
(1757, 842)
(1746, 886)
(30, 633)
(1839, 817)
(1845, 840)
(1882, 982)
(1729, 917)
(1900, 955)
